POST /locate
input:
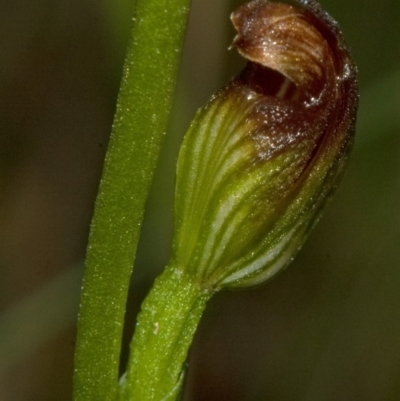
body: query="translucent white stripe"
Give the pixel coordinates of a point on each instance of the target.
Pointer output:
(262, 261)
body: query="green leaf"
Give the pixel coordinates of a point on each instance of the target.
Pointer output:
(143, 106)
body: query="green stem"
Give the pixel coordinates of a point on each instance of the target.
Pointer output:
(165, 328)
(142, 111)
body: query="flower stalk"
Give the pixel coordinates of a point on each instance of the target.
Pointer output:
(165, 328)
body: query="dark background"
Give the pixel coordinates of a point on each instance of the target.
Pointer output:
(328, 328)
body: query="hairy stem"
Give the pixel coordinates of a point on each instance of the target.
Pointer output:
(165, 328)
(142, 111)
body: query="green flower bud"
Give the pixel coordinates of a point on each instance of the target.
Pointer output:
(263, 156)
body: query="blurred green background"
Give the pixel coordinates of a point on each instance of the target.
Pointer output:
(328, 328)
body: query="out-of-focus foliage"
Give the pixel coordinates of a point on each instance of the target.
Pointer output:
(325, 329)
